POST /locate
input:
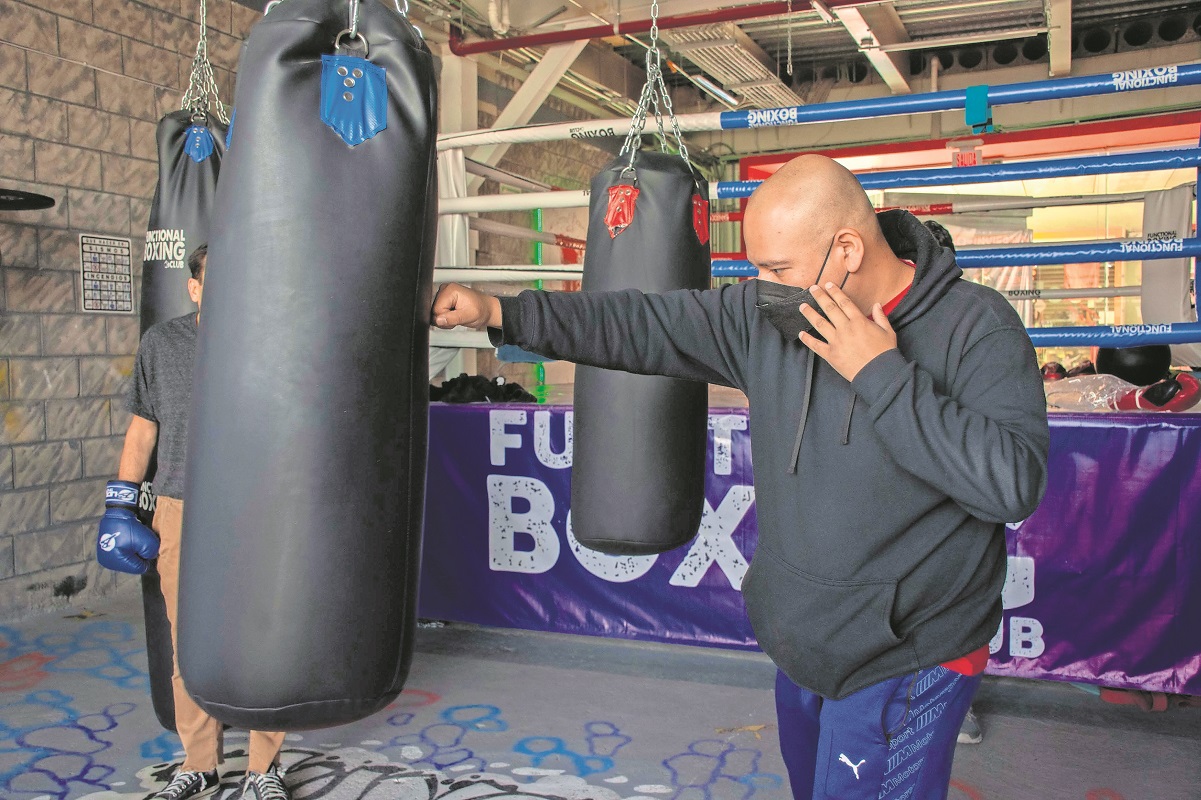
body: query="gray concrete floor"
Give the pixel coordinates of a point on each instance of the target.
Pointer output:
(490, 714)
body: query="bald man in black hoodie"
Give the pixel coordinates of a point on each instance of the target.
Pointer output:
(895, 433)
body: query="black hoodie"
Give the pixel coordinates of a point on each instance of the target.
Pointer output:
(881, 502)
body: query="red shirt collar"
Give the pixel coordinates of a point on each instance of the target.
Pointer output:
(892, 304)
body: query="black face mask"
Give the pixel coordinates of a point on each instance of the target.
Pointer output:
(781, 304)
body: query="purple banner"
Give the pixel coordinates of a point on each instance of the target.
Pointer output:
(1099, 586)
(1102, 584)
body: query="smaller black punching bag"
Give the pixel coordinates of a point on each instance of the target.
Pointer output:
(638, 469)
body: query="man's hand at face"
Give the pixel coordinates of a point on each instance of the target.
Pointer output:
(852, 340)
(458, 305)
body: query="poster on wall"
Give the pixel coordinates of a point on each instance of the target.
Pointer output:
(106, 272)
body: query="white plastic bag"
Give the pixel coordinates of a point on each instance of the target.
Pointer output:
(1085, 393)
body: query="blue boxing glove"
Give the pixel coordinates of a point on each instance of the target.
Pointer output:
(124, 543)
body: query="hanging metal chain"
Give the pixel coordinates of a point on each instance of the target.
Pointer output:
(202, 95)
(656, 104)
(789, 43)
(354, 19)
(671, 114)
(654, 97)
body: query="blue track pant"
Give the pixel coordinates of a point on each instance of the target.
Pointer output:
(894, 740)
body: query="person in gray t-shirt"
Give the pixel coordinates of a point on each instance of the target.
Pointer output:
(160, 398)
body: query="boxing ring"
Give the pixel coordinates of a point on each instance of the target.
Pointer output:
(1102, 582)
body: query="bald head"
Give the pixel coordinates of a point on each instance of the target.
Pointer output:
(815, 194)
(813, 218)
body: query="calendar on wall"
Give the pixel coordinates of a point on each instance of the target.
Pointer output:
(106, 267)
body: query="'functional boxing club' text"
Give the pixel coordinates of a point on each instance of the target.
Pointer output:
(168, 245)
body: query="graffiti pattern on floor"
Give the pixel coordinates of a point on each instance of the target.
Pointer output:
(353, 773)
(51, 748)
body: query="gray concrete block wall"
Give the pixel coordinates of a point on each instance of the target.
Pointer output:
(82, 86)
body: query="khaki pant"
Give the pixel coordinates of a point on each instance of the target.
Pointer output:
(200, 733)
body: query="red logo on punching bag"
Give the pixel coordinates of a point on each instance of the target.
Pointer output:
(700, 218)
(620, 213)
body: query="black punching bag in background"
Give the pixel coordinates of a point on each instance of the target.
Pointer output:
(190, 148)
(638, 469)
(307, 440)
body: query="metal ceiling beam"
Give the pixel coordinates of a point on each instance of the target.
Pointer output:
(528, 99)
(1059, 36)
(960, 40)
(873, 27)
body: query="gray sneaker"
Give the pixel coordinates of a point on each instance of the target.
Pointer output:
(188, 785)
(969, 731)
(267, 785)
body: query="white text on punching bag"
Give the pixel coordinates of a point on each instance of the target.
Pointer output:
(166, 245)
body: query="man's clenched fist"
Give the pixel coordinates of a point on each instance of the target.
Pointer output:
(457, 305)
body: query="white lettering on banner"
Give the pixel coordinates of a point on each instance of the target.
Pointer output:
(499, 438)
(509, 429)
(998, 639)
(1025, 633)
(771, 116)
(1026, 637)
(504, 524)
(542, 446)
(615, 569)
(715, 542)
(1019, 582)
(723, 442)
(1144, 78)
(502, 437)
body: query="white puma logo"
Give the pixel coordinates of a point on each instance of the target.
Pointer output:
(843, 759)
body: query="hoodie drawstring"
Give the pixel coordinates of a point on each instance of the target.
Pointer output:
(800, 431)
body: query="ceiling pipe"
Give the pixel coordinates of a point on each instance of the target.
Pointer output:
(464, 48)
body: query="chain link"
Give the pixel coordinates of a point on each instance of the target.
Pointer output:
(202, 94)
(789, 43)
(654, 97)
(354, 19)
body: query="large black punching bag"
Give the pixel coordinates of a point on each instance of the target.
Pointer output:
(638, 469)
(307, 440)
(190, 148)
